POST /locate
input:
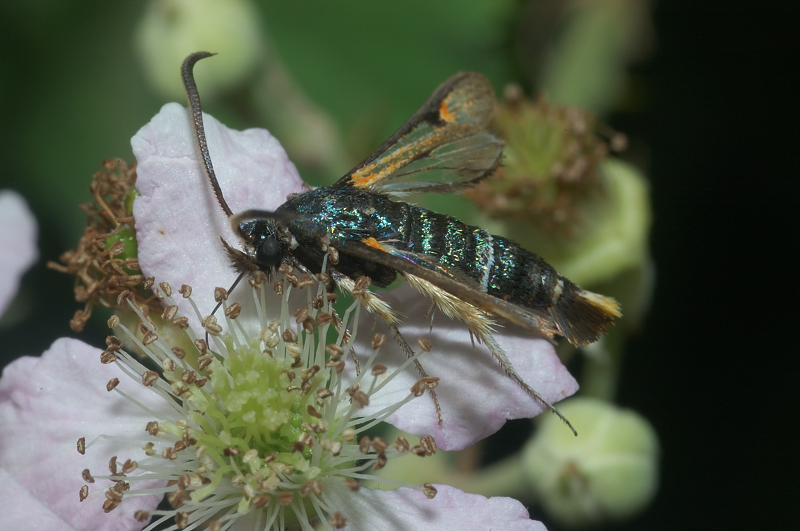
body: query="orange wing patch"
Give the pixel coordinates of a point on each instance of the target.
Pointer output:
(372, 242)
(444, 113)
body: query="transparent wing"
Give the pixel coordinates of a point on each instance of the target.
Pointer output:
(442, 147)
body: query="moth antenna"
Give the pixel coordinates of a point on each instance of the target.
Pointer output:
(197, 122)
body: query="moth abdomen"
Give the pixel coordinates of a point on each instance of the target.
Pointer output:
(503, 269)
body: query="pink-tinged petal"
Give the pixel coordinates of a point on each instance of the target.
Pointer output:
(178, 220)
(18, 233)
(46, 404)
(406, 509)
(475, 394)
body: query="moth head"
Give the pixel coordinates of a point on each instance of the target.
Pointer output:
(261, 237)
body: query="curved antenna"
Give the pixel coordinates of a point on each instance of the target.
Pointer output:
(197, 123)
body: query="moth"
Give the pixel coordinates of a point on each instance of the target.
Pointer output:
(357, 229)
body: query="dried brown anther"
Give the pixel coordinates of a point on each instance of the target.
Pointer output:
(149, 378)
(378, 340)
(424, 344)
(338, 521)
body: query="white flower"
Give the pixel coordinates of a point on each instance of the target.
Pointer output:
(17, 244)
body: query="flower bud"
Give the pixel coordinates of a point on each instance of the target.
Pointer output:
(608, 472)
(172, 29)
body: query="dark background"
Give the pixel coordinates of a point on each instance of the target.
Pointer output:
(715, 367)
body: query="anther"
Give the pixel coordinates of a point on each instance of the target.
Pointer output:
(260, 501)
(352, 484)
(181, 520)
(424, 344)
(378, 340)
(87, 476)
(379, 444)
(129, 466)
(113, 322)
(149, 378)
(201, 346)
(112, 465)
(112, 383)
(113, 343)
(179, 352)
(84, 492)
(401, 444)
(334, 254)
(186, 291)
(123, 296)
(148, 283)
(324, 318)
(169, 312)
(220, 294)
(310, 486)
(378, 369)
(204, 361)
(285, 498)
(233, 310)
(211, 326)
(429, 444)
(338, 521)
(364, 444)
(166, 288)
(430, 491)
(304, 281)
(334, 351)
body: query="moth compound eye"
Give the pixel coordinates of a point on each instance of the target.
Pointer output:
(269, 252)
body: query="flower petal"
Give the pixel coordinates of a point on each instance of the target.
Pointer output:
(406, 509)
(46, 404)
(18, 232)
(475, 394)
(178, 220)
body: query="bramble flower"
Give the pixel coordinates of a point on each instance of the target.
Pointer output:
(256, 432)
(17, 242)
(262, 429)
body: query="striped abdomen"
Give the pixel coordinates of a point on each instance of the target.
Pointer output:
(497, 265)
(503, 269)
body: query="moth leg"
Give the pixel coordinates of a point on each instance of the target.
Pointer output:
(481, 327)
(379, 307)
